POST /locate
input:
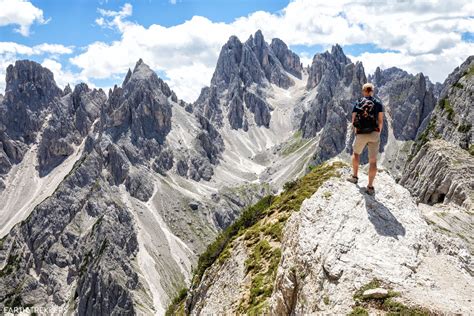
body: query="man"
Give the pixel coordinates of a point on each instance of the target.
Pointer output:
(367, 119)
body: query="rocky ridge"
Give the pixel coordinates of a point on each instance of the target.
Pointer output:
(131, 184)
(338, 242)
(150, 180)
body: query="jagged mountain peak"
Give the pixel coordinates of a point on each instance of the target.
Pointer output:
(67, 89)
(30, 77)
(142, 71)
(327, 62)
(338, 53)
(243, 72)
(257, 39)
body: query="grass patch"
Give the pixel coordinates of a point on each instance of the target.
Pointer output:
(294, 144)
(266, 261)
(469, 72)
(471, 150)
(13, 263)
(375, 283)
(464, 128)
(327, 195)
(445, 105)
(388, 304)
(397, 308)
(224, 255)
(458, 85)
(248, 218)
(305, 187)
(275, 231)
(359, 311)
(424, 137)
(260, 226)
(176, 306)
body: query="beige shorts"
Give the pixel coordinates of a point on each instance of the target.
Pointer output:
(372, 141)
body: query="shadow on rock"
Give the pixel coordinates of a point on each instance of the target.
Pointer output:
(380, 216)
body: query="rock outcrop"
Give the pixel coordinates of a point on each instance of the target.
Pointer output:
(453, 118)
(438, 171)
(338, 243)
(441, 173)
(342, 239)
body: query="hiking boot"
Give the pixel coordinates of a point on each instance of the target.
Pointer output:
(353, 179)
(370, 190)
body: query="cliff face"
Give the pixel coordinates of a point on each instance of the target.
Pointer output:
(340, 241)
(441, 165)
(35, 111)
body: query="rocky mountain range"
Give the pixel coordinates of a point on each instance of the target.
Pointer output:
(110, 202)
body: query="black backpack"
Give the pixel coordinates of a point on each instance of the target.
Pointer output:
(366, 116)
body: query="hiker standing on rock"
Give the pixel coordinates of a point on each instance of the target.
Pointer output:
(367, 119)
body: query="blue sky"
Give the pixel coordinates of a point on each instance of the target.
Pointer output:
(96, 41)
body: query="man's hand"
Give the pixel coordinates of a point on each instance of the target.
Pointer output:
(380, 121)
(353, 120)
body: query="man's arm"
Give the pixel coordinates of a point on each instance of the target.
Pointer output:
(380, 121)
(353, 119)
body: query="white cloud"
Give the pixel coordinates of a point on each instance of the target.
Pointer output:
(173, 1)
(15, 48)
(425, 35)
(61, 76)
(436, 66)
(22, 13)
(116, 17)
(10, 52)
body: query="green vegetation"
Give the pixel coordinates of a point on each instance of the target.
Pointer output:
(177, 304)
(326, 300)
(290, 185)
(2, 241)
(471, 150)
(260, 228)
(424, 137)
(445, 105)
(464, 128)
(458, 85)
(359, 311)
(369, 286)
(294, 144)
(469, 72)
(248, 218)
(388, 304)
(13, 263)
(327, 195)
(397, 308)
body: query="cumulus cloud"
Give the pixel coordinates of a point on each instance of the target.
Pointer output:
(10, 52)
(15, 48)
(422, 36)
(21, 13)
(62, 76)
(110, 18)
(436, 66)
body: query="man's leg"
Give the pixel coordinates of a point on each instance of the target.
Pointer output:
(373, 145)
(372, 171)
(355, 164)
